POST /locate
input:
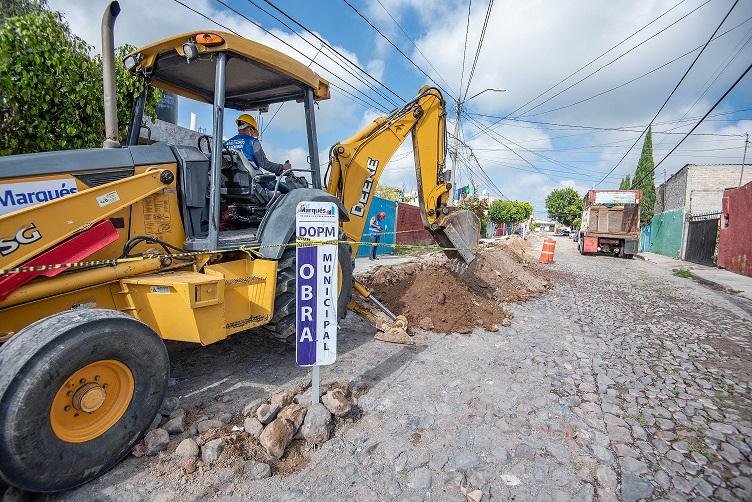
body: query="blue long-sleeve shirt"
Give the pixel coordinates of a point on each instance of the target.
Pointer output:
(251, 148)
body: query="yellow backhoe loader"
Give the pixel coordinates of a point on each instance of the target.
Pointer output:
(105, 253)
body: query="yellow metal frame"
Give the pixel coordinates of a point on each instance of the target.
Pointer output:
(358, 162)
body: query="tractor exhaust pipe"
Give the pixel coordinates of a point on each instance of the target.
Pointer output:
(108, 76)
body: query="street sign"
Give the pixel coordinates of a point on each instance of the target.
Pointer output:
(316, 295)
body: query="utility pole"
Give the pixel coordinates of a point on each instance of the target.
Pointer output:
(744, 158)
(454, 152)
(457, 111)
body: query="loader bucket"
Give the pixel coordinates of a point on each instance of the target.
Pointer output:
(458, 233)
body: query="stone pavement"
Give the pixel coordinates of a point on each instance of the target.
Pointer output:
(622, 383)
(723, 279)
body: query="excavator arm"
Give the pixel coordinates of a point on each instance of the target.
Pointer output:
(357, 163)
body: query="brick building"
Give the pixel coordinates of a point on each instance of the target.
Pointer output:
(691, 201)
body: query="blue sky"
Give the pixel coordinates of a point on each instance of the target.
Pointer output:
(528, 47)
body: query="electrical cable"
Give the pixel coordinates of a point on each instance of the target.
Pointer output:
(399, 50)
(480, 45)
(464, 49)
(674, 90)
(636, 182)
(591, 61)
(400, 98)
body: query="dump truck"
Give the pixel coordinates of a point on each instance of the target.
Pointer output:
(107, 252)
(610, 223)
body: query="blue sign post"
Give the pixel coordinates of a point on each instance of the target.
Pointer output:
(317, 229)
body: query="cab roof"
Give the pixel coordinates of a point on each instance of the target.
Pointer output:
(256, 75)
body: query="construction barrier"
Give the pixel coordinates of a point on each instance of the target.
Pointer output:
(547, 253)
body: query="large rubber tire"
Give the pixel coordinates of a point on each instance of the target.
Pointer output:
(38, 361)
(282, 325)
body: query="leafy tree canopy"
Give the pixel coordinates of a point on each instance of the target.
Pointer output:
(564, 205)
(509, 211)
(389, 192)
(625, 184)
(51, 94)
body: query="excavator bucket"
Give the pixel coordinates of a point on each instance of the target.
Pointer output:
(458, 233)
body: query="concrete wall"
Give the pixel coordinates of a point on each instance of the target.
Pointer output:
(169, 133)
(666, 233)
(410, 226)
(735, 236)
(672, 194)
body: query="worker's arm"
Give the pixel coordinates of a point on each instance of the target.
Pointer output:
(263, 162)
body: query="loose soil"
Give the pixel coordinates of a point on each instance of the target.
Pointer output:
(457, 297)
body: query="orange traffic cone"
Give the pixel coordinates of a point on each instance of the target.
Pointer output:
(547, 253)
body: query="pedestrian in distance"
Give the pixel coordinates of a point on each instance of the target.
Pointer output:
(375, 228)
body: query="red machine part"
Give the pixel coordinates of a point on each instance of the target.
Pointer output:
(72, 250)
(590, 245)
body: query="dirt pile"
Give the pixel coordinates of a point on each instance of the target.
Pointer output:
(448, 296)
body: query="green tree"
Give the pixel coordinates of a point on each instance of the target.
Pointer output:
(644, 180)
(476, 205)
(51, 88)
(13, 8)
(389, 192)
(509, 211)
(564, 205)
(625, 184)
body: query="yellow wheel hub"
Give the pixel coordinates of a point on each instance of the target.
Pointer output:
(91, 401)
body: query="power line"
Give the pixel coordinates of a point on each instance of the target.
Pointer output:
(624, 84)
(331, 48)
(697, 124)
(594, 60)
(674, 90)
(480, 45)
(397, 48)
(413, 43)
(464, 49)
(210, 19)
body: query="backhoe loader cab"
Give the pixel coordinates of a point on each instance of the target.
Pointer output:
(226, 71)
(83, 369)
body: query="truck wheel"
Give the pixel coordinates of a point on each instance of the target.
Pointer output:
(628, 256)
(282, 325)
(78, 390)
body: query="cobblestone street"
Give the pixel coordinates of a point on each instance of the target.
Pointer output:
(621, 383)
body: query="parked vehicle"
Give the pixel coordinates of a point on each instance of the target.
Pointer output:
(610, 223)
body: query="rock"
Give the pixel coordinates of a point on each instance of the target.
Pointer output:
(267, 412)
(493, 329)
(187, 449)
(295, 413)
(169, 405)
(189, 465)
(212, 450)
(224, 417)
(510, 480)
(420, 479)
(336, 402)
(632, 466)
(606, 478)
(257, 470)
(175, 425)
(426, 323)
(250, 408)
(155, 441)
(281, 399)
(205, 425)
(506, 322)
(13, 494)
(500, 453)
(139, 450)
(441, 298)
(474, 496)
(303, 399)
(633, 488)
(730, 453)
(315, 428)
(178, 412)
(156, 422)
(276, 436)
(253, 427)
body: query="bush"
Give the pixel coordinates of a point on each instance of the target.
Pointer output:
(51, 94)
